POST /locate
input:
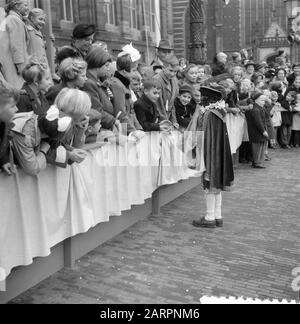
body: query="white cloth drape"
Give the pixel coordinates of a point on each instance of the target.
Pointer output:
(37, 213)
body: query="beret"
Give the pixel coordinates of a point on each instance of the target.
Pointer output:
(83, 31)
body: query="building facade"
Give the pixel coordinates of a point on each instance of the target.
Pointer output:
(259, 25)
(119, 22)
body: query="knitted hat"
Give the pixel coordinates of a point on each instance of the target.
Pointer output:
(185, 88)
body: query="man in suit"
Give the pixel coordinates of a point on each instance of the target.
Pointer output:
(164, 52)
(169, 90)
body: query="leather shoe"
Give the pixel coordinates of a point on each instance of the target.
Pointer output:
(203, 223)
(219, 223)
(258, 167)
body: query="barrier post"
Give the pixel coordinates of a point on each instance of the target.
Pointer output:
(156, 202)
(69, 258)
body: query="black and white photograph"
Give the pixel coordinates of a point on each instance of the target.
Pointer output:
(149, 155)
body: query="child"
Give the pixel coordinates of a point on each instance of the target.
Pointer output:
(146, 108)
(8, 101)
(276, 117)
(219, 174)
(296, 123)
(257, 127)
(184, 105)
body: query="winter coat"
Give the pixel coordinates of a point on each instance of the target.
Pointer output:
(147, 114)
(29, 102)
(37, 46)
(257, 124)
(184, 114)
(14, 41)
(169, 92)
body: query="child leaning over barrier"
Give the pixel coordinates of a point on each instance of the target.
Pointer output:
(146, 109)
(8, 101)
(54, 138)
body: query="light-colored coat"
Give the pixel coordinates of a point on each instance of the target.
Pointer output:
(14, 41)
(37, 46)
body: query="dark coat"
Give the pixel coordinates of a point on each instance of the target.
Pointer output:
(287, 117)
(184, 114)
(29, 102)
(219, 174)
(100, 101)
(291, 79)
(4, 144)
(147, 114)
(257, 124)
(218, 69)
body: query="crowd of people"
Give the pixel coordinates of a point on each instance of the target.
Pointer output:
(92, 97)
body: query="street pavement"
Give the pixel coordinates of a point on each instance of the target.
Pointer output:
(166, 260)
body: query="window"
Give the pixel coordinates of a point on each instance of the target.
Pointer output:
(133, 19)
(110, 12)
(67, 10)
(152, 16)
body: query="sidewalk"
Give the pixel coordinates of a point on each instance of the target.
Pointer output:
(166, 260)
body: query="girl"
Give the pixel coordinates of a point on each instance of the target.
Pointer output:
(54, 138)
(37, 83)
(72, 72)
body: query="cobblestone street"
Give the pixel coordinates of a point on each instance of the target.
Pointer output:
(166, 260)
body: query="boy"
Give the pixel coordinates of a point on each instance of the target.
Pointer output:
(184, 106)
(257, 126)
(146, 108)
(8, 101)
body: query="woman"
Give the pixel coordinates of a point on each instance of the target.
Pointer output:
(281, 77)
(191, 74)
(72, 72)
(54, 138)
(219, 174)
(14, 40)
(37, 84)
(250, 70)
(122, 98)
(220, 64)
(97, 86)
(37, 44)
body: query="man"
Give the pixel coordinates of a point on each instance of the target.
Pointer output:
(164, 51)
(296, 73)
(169, 89)
(220, 64)
(83, 37)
